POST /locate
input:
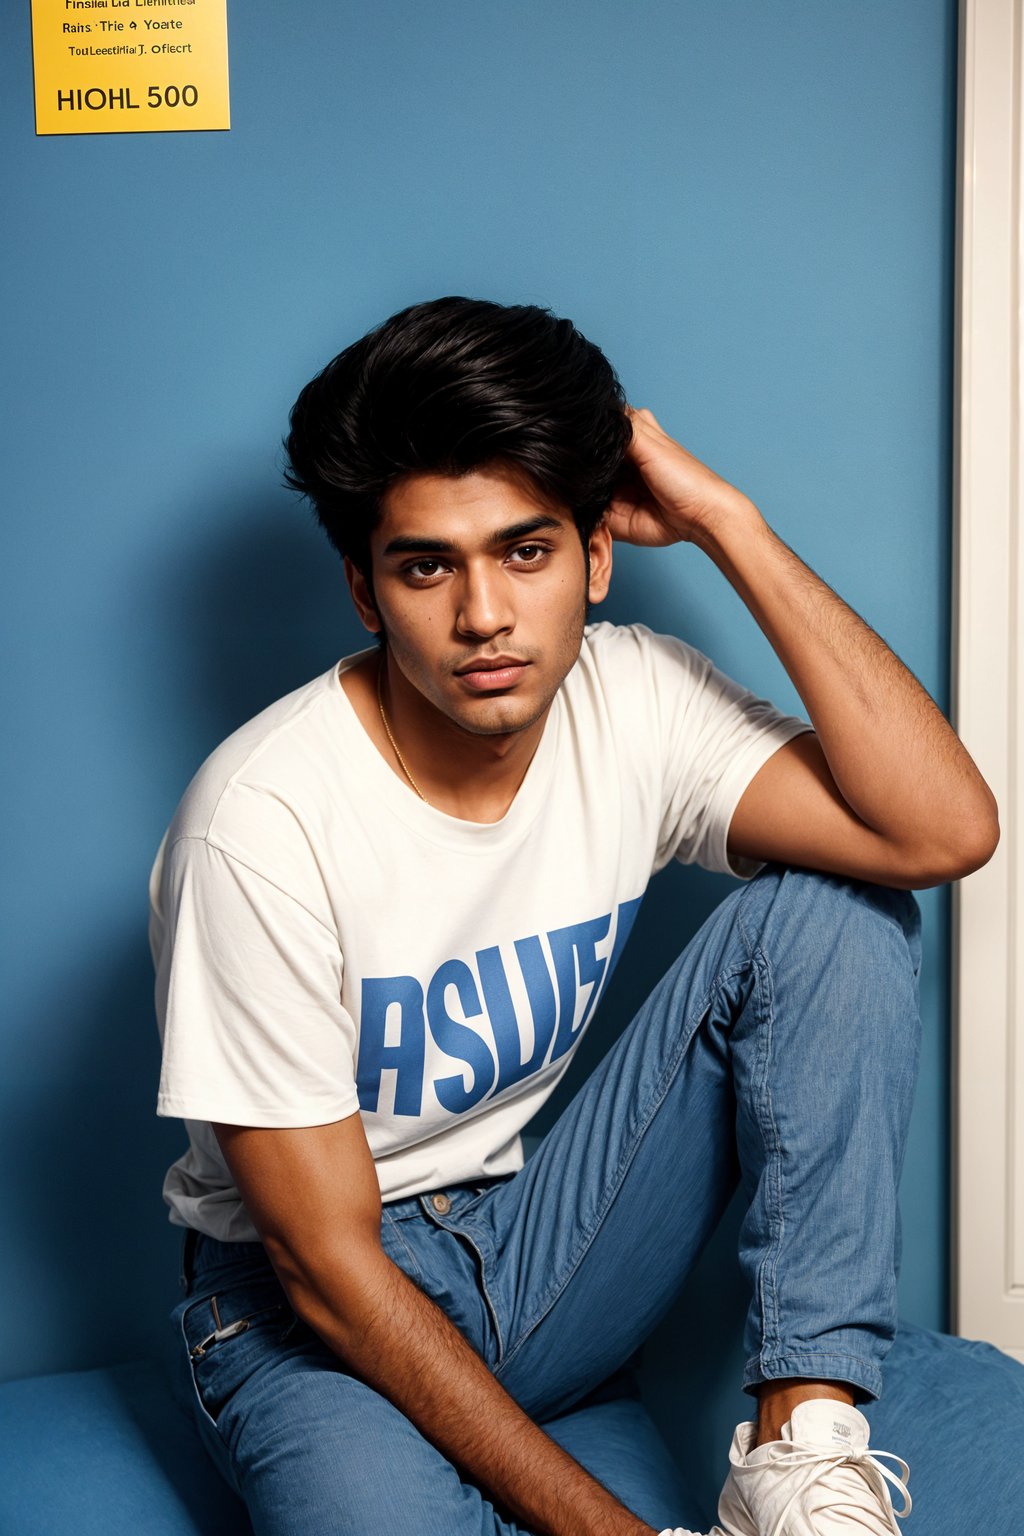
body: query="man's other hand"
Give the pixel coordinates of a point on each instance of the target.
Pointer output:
(665, 495)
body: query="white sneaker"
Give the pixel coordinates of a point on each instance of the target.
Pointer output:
(679, 1530)
(820, 1479)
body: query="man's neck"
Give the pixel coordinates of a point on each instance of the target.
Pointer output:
(466, 775)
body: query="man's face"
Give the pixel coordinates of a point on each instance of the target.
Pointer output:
(481, 588)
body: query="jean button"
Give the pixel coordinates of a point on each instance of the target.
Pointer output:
(441, 1203)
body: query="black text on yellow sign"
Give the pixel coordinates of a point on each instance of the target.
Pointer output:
(130, 66)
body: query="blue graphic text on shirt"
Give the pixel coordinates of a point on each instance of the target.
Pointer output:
(556, 977)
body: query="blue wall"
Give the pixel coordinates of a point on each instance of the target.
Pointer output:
(748, 206)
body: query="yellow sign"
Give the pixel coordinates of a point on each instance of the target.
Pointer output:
(130, 66)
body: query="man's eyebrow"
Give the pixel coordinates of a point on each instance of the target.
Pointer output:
(412, 544)
(409, 544)
(523, 530)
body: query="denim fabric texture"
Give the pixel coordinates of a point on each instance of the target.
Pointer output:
(780, 1051)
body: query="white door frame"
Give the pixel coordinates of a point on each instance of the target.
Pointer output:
(988, 678)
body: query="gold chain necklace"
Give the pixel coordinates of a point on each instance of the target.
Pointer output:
(394, 744)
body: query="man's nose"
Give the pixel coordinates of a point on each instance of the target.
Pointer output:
(485, 603)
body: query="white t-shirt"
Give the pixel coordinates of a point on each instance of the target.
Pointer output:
(327, 942)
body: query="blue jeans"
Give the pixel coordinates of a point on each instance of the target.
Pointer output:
(780, 1050)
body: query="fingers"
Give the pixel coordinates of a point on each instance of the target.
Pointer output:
(641, 417)
(647, 437)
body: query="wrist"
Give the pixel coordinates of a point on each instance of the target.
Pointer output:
(733, 523)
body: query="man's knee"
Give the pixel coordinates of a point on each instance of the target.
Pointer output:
(841, 959)
(824, 908)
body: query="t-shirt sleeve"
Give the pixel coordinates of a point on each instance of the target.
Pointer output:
(714, 736)
(249, 992)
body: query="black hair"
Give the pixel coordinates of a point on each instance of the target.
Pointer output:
(449, 386)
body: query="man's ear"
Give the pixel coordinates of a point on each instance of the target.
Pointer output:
(599, 548)
(362, 596)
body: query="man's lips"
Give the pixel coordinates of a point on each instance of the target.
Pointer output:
(486, 673)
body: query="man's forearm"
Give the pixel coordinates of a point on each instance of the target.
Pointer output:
(897, 762)
(392, 1336)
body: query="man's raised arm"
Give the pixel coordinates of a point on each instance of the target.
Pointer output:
(314, 1198)
(883, 790)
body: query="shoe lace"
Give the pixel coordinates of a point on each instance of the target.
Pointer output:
(820, 1462)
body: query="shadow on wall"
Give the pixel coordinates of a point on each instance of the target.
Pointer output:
(202, 641)
(258, 611)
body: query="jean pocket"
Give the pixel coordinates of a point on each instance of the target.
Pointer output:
(229, 1334)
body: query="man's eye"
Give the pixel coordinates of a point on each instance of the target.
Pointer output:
(424, 568)
(529, 554)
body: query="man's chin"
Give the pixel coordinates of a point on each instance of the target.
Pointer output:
(501, 717)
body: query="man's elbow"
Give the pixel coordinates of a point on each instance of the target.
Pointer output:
(982, 835)
(958, 857)
(335, 1287)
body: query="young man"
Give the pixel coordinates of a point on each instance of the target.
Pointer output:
(386, 909)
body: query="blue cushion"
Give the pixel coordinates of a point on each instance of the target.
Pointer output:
(110, 1452)
(954, 1410)
(107, 1453)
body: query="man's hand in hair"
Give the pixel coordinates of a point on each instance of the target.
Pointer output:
(665, 495)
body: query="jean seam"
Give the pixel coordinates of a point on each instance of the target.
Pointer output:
(492, 1309)
(768, 1270)
(766, 1288)
(457, 1231)
(615, 1182)
(400, 1238)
